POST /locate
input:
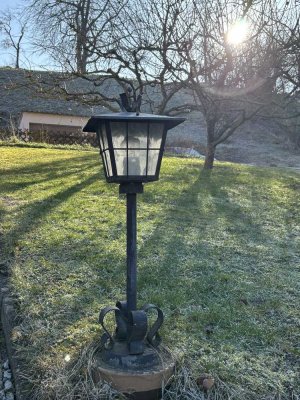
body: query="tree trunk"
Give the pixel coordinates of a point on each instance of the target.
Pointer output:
(210, 147)
(82, 18)
(210, 156)
(81, 64)
(17, 64)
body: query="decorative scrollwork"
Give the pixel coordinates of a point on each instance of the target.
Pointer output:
(132, 330)
(153, 336)
(107, 339)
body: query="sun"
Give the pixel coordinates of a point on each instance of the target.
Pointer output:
(237, 33)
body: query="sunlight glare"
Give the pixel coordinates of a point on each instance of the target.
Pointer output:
(238, 33)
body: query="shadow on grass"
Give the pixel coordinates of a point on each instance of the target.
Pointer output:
(183, 220)
(32, 215)
(182, 253)
(204, 206)
(210, 266)
(196, 265)
(44, 172)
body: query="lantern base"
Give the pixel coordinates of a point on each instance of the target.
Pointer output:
(131, 188)
(139, 377)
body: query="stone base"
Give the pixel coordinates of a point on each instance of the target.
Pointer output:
(133, 376)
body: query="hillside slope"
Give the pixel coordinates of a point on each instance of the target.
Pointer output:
(260, 143)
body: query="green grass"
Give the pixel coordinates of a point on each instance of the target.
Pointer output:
(218, 252)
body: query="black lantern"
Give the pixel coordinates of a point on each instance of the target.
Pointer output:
(131, 146)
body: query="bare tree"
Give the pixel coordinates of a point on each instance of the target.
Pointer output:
(135, 53)
(162, 47)
(197, 46)
(124, 54)
(68, 30)
(286, 35)
(226, 54)
(12, 30)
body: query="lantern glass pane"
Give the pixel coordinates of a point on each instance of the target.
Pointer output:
(104, 161)
(121, 161)
(102, 137)
(152, 161)
(107, 159)
(99, 139)
(137, 135)
(137, 162)
(118, 133)
(155, 135)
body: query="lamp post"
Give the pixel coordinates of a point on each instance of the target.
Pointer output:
(131, 147)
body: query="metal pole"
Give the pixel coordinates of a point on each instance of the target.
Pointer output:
(131, 251)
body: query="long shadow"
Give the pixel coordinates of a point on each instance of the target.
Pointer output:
(169, 274)
(44, 172)
(33, 214)
(192, 210)
(30, 216)
(225, 278)
(180, 226)
(44, 166)
(160, 244)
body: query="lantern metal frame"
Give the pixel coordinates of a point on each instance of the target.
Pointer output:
(99, 123)
(134, 343)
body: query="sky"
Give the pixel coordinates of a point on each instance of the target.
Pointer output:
(8, 3)
(27, 59)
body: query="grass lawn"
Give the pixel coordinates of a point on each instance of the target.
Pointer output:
(219, 252)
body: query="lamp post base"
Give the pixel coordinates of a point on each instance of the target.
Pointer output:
(139, 377)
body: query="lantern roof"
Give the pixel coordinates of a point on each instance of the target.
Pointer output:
(93, 122)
